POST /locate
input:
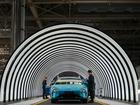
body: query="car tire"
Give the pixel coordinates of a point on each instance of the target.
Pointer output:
(84, 100)
(53, 100)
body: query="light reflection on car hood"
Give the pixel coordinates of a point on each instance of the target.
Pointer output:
(69, 87)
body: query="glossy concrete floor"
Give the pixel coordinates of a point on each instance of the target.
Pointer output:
(40, 101)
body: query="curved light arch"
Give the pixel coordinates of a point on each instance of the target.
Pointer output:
(70, 63)
(125, 72)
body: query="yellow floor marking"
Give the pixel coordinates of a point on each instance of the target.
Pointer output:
(100, 102)
(40, 102)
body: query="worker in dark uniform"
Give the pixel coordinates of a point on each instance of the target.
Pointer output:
(91, 86)
(44, 87)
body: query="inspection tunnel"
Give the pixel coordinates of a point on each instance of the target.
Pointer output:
(69, 48)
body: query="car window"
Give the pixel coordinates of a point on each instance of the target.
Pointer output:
(70, 78)
(60, 83)
(71, 82)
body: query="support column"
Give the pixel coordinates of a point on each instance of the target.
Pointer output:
(18, 23)
(22, 38)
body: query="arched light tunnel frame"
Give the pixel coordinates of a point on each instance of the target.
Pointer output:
(52, 51)
(29, 73)
(72, 42)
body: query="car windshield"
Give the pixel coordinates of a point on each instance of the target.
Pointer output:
(71, 82)
(70, 78)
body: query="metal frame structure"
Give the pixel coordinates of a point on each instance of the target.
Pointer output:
(61, 47)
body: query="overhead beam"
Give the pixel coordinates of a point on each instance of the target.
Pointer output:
(92, 17)
(85, 17)
(6, 2)
(35, 14)
(107, 27)
(84, 1)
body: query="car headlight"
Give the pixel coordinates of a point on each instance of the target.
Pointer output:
(84, 90)
(55, 90)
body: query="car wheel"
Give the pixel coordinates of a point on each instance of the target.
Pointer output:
(84, 100)
(53, 100)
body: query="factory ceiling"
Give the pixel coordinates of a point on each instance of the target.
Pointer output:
(120, 19)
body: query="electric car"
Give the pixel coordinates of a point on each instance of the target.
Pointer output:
(69, 88)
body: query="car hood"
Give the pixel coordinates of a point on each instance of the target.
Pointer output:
(69, 87)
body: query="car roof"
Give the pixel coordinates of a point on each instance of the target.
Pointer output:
(69, 78)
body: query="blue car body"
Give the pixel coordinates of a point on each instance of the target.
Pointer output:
(69, 89)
